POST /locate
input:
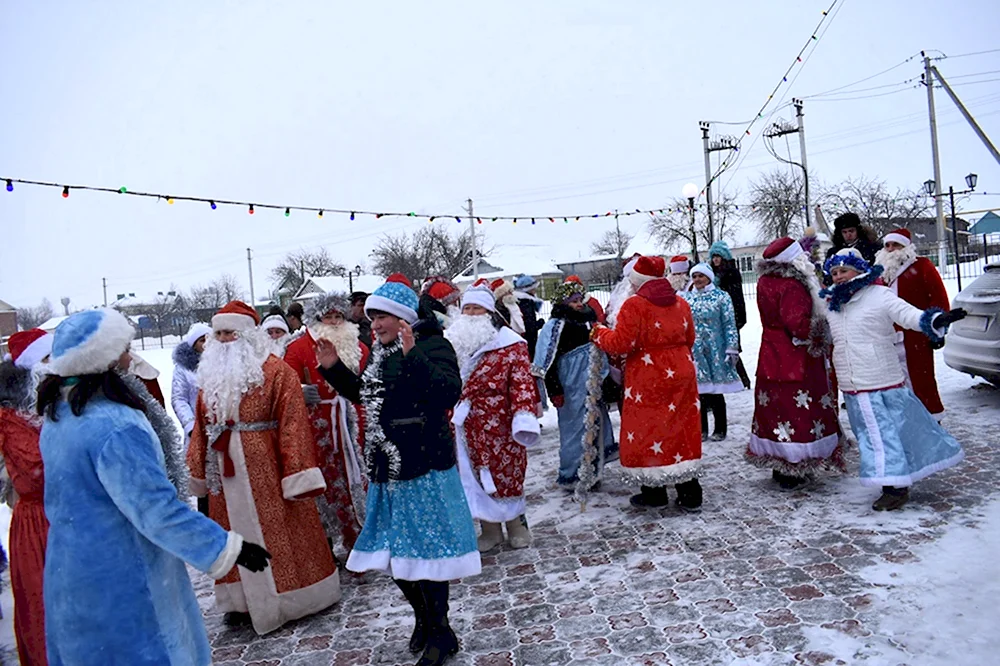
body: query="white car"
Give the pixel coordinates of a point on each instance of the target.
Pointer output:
(972, 345)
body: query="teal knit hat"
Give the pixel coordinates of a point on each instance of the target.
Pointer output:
(720, 249)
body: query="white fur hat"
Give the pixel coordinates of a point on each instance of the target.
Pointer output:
(705, 270)
(198, 330)
(480, 294)
(90, 342)
(274, 321)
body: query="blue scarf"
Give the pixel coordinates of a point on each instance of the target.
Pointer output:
(839, 294)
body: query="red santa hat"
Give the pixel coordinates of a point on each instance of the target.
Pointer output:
(481, 294)
(646, 269)
(679, 264)
(575, 279)
(28, 348)
(501, 288)
(235, 316)
(901, 236)
(441, 289)
(784, 250)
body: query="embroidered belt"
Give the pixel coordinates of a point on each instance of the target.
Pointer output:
(219, 435)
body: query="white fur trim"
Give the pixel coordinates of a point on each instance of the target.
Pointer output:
(897, 238)
(638, 279)
(383, 304)
(227, 558)
(35, 352)
(705, 270)
(98, 352)
(789, 253)
(630, 265)
(505, 337)
(405, 568)
(142, 368)
(678, 267)
(794, 452)
(481, 297)
(663, 474)
(525, 429)
(716, 389)
(274, 321)
(300, 483)
(230, 321)
(197, 331)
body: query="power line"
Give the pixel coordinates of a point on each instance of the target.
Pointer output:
(966, 55)
(867, 78)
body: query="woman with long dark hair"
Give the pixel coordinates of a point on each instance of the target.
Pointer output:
(115, 583)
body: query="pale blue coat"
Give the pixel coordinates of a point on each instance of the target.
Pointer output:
(715, 334)
(116, 589)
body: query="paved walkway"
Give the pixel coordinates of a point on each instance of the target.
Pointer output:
(754, 578)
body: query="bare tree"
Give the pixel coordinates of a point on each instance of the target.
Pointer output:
(293, 270)
(777, 201)
(28, 318)
(614, 242)
(203, 301)
(672, 228)
(430, 250)
(880, 207)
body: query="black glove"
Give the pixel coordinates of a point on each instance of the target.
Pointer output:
(253, 557)
(949, 318)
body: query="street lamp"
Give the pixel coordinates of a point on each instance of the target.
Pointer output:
(689, 192)
(350, 277)
(929, 187)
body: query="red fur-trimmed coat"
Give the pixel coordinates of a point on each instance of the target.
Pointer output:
(501, 396)
(920, 285)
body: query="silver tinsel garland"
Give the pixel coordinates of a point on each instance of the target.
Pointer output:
(372, 397)
(593, 444)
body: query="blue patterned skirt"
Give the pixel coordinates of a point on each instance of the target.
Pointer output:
(420, 529)
(900, 441)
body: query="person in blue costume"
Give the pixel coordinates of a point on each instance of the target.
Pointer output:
(729, 280)
(418, 526)
(573, 371)
(116, 589)
(899, 440)
(716, 348)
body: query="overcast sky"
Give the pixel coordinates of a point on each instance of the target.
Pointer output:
(553, 107)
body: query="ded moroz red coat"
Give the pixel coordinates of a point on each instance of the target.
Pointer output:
(795, 428)
(661, 422)
(334, 425)
(919, 284)
(495, 422)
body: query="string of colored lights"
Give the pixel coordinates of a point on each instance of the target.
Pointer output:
(353, 214)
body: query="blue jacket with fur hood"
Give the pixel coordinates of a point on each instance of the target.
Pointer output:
(116, 589)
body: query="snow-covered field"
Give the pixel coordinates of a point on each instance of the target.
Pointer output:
(926, 578)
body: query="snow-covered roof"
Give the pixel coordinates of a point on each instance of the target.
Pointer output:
(509, 260)
(50, 324)
(6, 307)
(131, 300)
(313, 286)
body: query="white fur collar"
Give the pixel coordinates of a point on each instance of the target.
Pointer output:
(505, 337)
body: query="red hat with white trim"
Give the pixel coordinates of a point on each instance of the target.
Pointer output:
(679, 264)
(784, 250)
(646, 269)
(235, 316)
(28, 348)
(442, 289)
(901, 236)
(575, 279)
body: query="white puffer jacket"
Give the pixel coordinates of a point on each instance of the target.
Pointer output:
(864, 354)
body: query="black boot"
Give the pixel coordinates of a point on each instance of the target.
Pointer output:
(650, 497)
(689, 495)
(706, 405)
(441, 640)
(414, 594)
(719, 412)
(235, 619)
(203, 505)
(892, 499)
(789, 482)
(742, 372)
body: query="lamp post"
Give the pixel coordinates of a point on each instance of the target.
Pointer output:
(689, 192)
(929, 188)
(350, 277)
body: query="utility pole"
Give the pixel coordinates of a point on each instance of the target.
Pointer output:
(704, 126)
(253, 301)
(936, 156)
(472, 237)
(800, 117)
(968, 116)
(104, 283)
(723, 143)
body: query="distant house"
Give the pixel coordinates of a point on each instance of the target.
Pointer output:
(508, 261)
(924, 229)
(747, 256)
(986, 225)
(8, 320)
(606, 270)
(50, 325)
(314, 286)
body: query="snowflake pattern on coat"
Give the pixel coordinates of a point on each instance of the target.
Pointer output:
(715, 333)
(499, 389)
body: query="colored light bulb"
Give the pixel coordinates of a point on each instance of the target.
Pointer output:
(10, 186)
(250, 210)
(352, 216)
(288, 211)
(66, 192)
(170, 200)
(212, 204)
(319, 214)
(122, 190)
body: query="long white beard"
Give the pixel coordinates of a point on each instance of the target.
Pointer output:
(467, 334)
(229, 370)
(516, 318)
(344, 338)
(621, 293)
(893, 262)
(805, 264)
(679, 281)
(278, 346)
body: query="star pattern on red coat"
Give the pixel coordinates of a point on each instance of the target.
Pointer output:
(784, 431)
(803, 399)
(647, 359)
(670, 373)
(657, 448)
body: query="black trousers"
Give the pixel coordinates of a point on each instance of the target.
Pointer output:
(716, 404)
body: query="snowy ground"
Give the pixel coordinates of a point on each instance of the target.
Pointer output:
(759, 577)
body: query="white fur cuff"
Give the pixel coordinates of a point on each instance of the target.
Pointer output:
(227, 558)
(300, 483)
(525, 429)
